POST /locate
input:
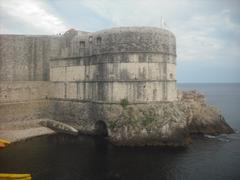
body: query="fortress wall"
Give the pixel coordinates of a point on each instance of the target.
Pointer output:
(18, 91)
(23, 100)
(114, 92)
(172, 89)
(171, 71)
(26, 58)
(125, 39)
(23, 111)
(114, 72)
(134, 63)
(112, 82)
(134, 39)
(58, 90)
(81, 45)
(110, 65)
(120, 57)
(72, 111)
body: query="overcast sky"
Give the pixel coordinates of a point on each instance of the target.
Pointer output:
(207, 31)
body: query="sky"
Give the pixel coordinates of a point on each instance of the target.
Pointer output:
(207, 31)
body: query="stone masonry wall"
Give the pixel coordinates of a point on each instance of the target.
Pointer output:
(19, 91)
(26, 58)
(23, 100)
(138, 64)
(86, 70)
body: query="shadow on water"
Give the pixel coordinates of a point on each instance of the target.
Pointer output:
(64, 157)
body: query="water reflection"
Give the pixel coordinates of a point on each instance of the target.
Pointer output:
(93, 158)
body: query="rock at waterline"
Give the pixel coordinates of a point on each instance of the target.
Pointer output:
(204, 119)
(58, 126)
(166, 124)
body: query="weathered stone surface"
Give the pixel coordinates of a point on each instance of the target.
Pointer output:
(26, 57)
(137, 63)
(170, 124)
(59, 126)
(14, 135)
(204, 119)
(140, 125)
(119, 82)
(159, 124)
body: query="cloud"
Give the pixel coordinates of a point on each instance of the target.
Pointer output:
(203, 37)
(196, 25)
(32, 13)
(135, 12)
(205, 31)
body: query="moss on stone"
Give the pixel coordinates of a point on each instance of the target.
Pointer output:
(124, 103)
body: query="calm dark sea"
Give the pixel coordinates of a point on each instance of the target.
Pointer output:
(61, 157)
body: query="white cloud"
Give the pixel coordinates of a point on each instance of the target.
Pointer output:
(4, 30)
(194, 28)
(135, 12)
(197, 26)
(198, 37)
(33, 13)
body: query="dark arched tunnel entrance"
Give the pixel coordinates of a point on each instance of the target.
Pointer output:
(101, 128)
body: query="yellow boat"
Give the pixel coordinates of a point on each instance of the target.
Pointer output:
(6, 176)
(3, 143)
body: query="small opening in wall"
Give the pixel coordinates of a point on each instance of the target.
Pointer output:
(171, 76)
(82, 44)
(99, 41)
(90, 39)
(101, 128)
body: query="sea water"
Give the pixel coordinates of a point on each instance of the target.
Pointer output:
(63, 157)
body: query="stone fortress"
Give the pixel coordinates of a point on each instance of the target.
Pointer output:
(82, 78)
(106, 66)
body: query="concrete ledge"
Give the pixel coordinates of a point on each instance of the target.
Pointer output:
(59, 126)
(117, 80)
(22, 134)
(105, 102)
(110, 53)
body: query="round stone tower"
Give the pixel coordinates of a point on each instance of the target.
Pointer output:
(134, 63)
(137, 63)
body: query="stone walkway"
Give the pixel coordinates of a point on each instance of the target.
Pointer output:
(17, 135)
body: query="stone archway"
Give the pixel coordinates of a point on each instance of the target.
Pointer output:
(101, 128)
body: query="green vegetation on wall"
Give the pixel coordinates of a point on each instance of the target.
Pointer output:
(124, 103)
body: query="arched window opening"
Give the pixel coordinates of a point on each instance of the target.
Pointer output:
(171, 76)
(99, 41)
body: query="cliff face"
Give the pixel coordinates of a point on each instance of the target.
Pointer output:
(203, 118)
(165, 124)
(159, 124)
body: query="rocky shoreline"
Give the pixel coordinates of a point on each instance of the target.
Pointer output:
(203, 118)
(168, 124)
(164, 124)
